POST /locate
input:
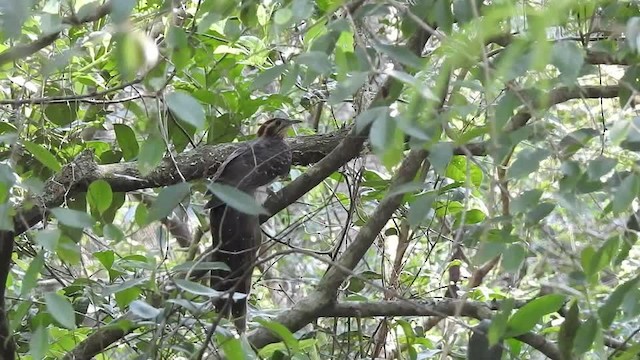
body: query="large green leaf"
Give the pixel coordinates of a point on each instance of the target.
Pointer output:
(73, 218)
(144, 310)
(126, 140)
(186, 108)
(42, 155)
(168, 199)
(60, 309)
(529, 315)
(99, 195)
(237, 199)
(39, 343)
(281, 332)
(609, 309)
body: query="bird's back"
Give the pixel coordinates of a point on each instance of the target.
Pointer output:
(257, 164)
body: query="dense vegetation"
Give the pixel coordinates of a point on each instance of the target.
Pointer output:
(459, 160)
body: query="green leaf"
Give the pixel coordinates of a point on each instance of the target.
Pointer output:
(316, 61)
(539, 212)
(576, 140)
(268, 76)
(281, 332)
(150, 154)
(302, 9)
(513, 258)
(603, 257)
(568, 58)
(625, 193)
(527, 162)
(381, 133)
(586, 335)
(400, 53)
(600, 166)
(505, 109)
(186, 108)
(106, 258)
(48, 239)
(499, 322)
(39, 343)
(369, 116)
(200, 265)
(631, 77)
(232, 347)
(347, 87)
(237, 199)
(60, 309)
(168, 199)
(126, 139)
(68, 250)
(144, 310)
(460, 169)
(197, 289)
(420, 208)
(73, 218)
(121, 9)
(526, 201)
(99, 195)
(609, 309)
(568, 331)
(64, 113)
(30, 279)
(529, 315)
(125, 297)
(112, 232)
(42, 155)
(440, 155)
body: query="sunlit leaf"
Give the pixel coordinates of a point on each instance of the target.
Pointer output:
(530, 314)
(281, 332)
(42, 155)
(99, 195)
(126, 140)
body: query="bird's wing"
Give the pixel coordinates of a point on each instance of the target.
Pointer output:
(237, 152)
(218, 175)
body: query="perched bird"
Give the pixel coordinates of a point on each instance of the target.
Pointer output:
(236, 235)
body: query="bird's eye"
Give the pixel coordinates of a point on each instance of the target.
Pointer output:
(277, 122)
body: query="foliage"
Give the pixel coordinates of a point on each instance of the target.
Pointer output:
(525, 200)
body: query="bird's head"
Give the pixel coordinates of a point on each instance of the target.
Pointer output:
(276, 127)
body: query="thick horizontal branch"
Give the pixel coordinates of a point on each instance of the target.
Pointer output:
(122, 177)
(445, 307)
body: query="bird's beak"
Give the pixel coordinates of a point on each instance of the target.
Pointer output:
(291, 122)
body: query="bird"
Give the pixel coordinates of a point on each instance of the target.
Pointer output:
(237, 235)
